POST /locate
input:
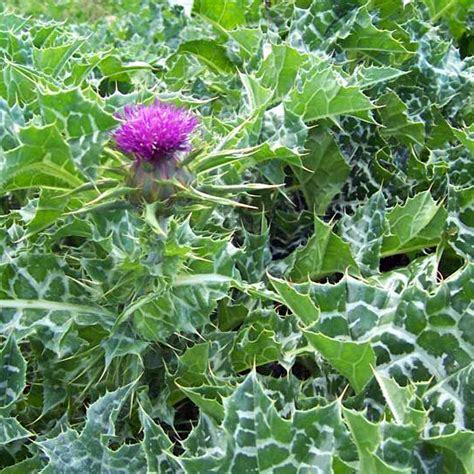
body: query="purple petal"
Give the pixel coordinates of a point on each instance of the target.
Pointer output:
(156, 132)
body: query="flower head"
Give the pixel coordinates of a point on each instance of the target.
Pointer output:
(155, 133)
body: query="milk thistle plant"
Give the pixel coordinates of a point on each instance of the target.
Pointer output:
(283, 280)
(157, 136)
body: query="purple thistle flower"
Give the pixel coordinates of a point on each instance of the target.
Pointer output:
(156, 133)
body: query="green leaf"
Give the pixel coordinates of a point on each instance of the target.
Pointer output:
(156, 446)
(279, 69)
(120, 343)
(10, 119)
(401, 401)
(461, 164)
(227, 13)
(27, 465)
(355, 111)
(210, 53)
(187, 301)
(417, 224)
(253, 261)
(245, 45)
(43, 159)
(18, 83)
(37, 296)
(245, 158)
(315, 26)
(196, 379)
(284, 129)
(369, 76)
(449, 404)
(264, 338)
(350, 308)
(465, 136)
(50, 206)
(74, 114)
(186, 307)
(74, 452)
(453, 12)
(113, 67)
(231, 316)
(324, 254)
(207, 398)
(12, 374)
(254, 346)
(254, 437)
(354, 360)
(367, 39)
(255, 95)
(397, 123)
(406, 326)
(52, 60)
(364, 232)
(382, 448)
(325, 171)
(461, 444)
(320, 93)
(426, 317)
(300, 304)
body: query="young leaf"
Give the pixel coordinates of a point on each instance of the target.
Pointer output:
(300, 304)
(354, 360)
(324, 254)
(321, 93)
(367, 39)
(369, 76)
(417, 224)
(396, 122)
(210, 53)
(325, 171)
(364, 232)
(227, 13)
(279, 69)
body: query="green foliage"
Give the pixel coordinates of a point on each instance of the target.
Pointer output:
(303, 303)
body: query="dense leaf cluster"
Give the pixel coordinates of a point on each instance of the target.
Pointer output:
(304, 304)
